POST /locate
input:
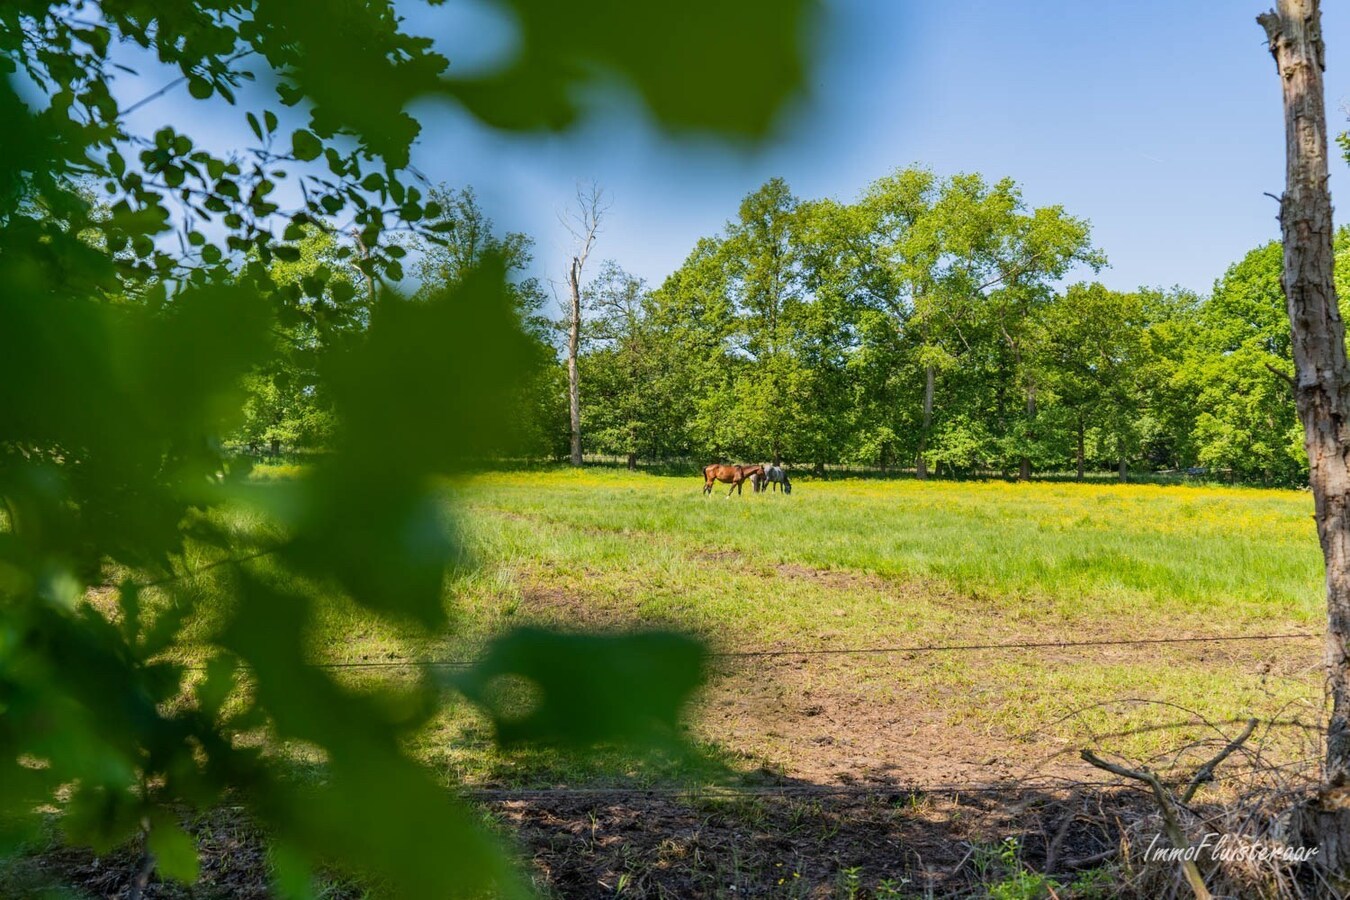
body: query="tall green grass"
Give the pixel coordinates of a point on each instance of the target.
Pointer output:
(1065, 551)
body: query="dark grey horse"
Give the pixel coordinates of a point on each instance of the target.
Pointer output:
(775, 475)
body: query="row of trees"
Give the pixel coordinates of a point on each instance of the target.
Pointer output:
(925, 326)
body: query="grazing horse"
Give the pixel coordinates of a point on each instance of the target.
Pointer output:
(775, 475)
(735, 476)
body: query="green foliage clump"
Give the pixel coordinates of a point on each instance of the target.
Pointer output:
(189, 303)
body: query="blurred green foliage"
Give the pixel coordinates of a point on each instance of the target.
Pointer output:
(152, 290)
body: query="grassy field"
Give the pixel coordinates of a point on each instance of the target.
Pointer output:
(845, 564)
(846, 582)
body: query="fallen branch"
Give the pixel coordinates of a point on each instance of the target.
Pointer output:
(1170, 821)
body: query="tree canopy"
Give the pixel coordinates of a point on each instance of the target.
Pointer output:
(930, 324)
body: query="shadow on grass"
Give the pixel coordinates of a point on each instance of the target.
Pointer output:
(749, 833)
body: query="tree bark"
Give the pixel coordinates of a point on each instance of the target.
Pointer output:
(573, 344)
(921, 464)
(632, 462)
(1322, 383)
(1080, 449)
(1024, 473)
(1124, 471)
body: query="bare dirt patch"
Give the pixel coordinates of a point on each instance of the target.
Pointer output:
(802, 716)
(833, 579)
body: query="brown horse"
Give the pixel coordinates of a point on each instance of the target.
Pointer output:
(732, 475)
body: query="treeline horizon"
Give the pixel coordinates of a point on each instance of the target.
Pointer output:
(924, 326)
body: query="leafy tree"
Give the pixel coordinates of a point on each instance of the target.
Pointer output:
(1246, 421)
(764, 393)
(765, 336)
(694, 321)
(1096, 362)
(625, 385)
(286, 403)
(1032, 250)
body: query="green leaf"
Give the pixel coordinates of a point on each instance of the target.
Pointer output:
(377, 810)
(305, 146)
(175, 851)
(591, 688)
(750, 60)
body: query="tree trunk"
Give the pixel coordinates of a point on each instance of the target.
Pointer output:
(1124, 473)
(921, 464)
(573, 344)
(1080, 450)
(1024, 474)
(1322, 384)
(276, 446)
(632, 462)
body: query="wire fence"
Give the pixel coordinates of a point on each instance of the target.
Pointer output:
(437, 663)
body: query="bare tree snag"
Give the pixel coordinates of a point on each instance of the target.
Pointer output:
(573, 345)
(1322, 383)
(584, 224)
(921, 459)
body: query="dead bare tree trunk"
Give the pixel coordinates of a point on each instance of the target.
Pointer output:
(584, 224)
(1321, 384)
(573, 346)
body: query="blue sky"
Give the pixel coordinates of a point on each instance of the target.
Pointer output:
(1158, 121)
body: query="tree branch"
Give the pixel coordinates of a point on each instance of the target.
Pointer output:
(1170, 823)
(1284, 376)
(1206, 772)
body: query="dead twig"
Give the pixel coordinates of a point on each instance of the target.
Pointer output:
(1205, 773)
(1170, 822)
